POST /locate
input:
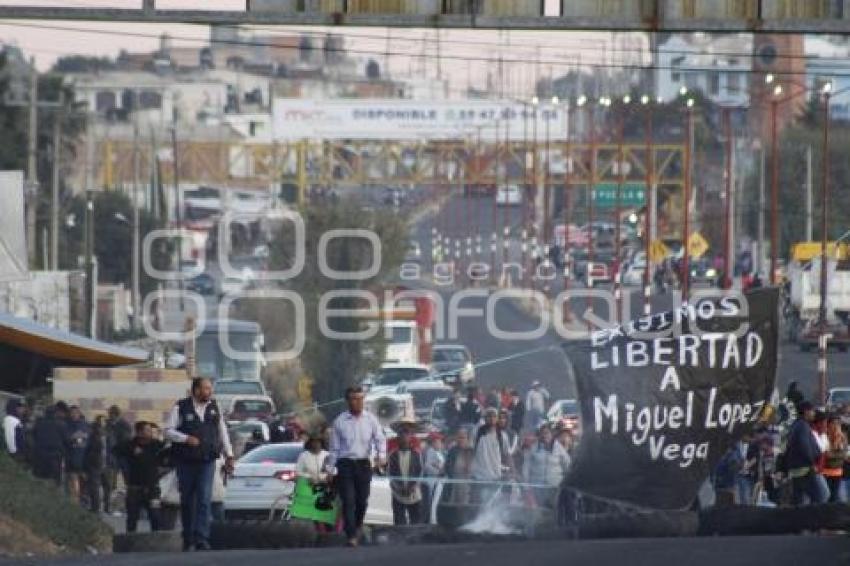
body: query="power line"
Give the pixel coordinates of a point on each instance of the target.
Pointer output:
(579, 46)
(378, 53)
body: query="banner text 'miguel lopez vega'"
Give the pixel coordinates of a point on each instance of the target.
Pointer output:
(663, 397)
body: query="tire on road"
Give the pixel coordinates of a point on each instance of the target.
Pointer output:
(262, 534)
(639, 525)
(455, 515)
(168, 515)
(159, 541)
(748, 520)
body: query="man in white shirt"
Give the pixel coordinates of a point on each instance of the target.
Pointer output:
(199, 436)
(535, 405)
(13, 429)
(355, 436)
(491, 463)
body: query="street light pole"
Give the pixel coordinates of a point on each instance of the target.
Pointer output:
(774, 191)
(686, 227)
(824, 215)
(727, 225)
(621, 177)
(592, 143)
(649, 212)
(567, 270)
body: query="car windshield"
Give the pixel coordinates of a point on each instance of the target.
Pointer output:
(424, 398)
(213, 361)
(438, 410)
(840, 396)
(394, 376)
(252, 407)
(400, 334)
(449, 355)
(238, 388)
(273, 454)
(569, 407)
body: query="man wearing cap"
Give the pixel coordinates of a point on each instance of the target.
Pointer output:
(405, 467)
(535, 405)
(433, 465)
(801, 457)
(356, 434)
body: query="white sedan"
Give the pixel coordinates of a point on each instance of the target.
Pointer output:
(265, 478)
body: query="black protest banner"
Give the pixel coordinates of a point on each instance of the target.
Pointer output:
(664, 397)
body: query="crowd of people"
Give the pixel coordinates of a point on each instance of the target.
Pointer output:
(487, 439)
(492, 446)
(797, 455)
(84, 457)
(490, 443)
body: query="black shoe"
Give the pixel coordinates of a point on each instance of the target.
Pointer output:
(188, 547)
(202, 546)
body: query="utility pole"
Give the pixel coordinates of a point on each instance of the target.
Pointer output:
(727, 224)
(31, 186)
(809, 230)
(134, 283)
(54, 196)
(32, 173)
(179, 206)
(761, 203)
(91, 284)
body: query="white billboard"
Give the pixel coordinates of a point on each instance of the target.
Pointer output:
(399, 119)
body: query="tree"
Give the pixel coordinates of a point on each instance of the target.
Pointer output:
(83, 64)
(113, 213)
(14, 140)
(336, 364)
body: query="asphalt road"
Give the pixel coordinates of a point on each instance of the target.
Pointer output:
(710, 551)
(465, 217)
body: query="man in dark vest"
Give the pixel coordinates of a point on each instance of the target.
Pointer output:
(199, 435)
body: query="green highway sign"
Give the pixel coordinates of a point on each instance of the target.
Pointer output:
(631, 195)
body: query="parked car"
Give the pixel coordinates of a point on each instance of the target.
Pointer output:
(437, 418)
(424, 394)
(391, 375)
(702, 272)
(243, 432)
(565, 413)
(265, 478)
(403, 344)
(509, 195)
(233, 286)
(453, 364)
(226, 390)
(837, 396)
(633, 271)
(414, 252)
(203, 284)
(248, 407)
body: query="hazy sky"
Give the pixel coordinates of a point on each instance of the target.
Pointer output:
(467, 56)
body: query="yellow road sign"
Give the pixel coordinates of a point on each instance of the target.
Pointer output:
(305, 390)
(697, 246)
(658, 251)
